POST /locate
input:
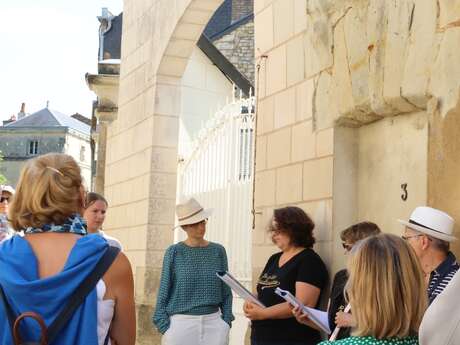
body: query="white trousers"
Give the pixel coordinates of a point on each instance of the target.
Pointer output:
(196, 330)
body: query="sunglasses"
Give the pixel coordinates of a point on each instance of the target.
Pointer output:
(346, 246)
(4, 198)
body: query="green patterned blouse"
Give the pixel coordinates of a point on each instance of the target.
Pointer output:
(189, 284)
(373, 341)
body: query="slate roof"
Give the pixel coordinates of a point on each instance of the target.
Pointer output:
(112, 39)
(50, 118)
(220, 20)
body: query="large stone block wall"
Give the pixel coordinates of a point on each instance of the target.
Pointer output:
(294, 164)
(238, 48)
(392, 152)
(332, 66)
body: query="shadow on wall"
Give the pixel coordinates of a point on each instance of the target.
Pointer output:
(444, 166)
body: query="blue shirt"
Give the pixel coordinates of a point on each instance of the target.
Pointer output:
(189, 284)
(26, 291)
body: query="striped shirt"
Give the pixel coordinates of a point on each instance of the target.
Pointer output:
(441, 276)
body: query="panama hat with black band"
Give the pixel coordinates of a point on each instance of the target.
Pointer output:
(191, 212)
(431, 222)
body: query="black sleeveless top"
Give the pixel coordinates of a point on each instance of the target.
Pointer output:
(338, 302)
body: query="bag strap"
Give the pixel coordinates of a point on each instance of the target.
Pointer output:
(44, 334)
(77, 298)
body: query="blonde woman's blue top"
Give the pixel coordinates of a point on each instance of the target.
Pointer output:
(373, 341)
(189, 284)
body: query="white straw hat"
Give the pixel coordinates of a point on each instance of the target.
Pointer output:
(6, 188)
(432, 222)
(191, 212)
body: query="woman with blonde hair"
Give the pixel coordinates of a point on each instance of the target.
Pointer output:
(55, 267)
(337, 299)
(387, 293)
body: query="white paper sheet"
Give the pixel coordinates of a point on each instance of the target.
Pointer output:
(337, 329)
(318, 317)
(240, 290)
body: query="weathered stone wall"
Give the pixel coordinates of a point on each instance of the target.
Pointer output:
(337, 64)
(238, 47)
(14, 145)
(241, 8)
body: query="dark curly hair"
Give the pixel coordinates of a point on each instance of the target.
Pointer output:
(295, 223)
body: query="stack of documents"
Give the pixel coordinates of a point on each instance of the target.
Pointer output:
(318, 317)
(239, 289)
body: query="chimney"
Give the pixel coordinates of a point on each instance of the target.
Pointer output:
(12, 119)
(22, 113)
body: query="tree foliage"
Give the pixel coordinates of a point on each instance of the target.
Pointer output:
(3, 179)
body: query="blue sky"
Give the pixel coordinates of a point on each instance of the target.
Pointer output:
(46, 47)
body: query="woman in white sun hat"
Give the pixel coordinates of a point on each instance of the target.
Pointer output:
(430, 231)
(193, 305)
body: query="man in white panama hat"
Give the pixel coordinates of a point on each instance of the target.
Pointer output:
(429, 231)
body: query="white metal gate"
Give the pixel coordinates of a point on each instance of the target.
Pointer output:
(219, 174)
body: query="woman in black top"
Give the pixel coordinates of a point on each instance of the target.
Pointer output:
(298, 269)
(337, 300)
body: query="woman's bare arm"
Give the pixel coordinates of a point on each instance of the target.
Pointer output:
(121, 285)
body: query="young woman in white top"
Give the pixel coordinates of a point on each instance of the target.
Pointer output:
(95, 211)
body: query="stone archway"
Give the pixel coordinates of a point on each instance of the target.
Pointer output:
(158, 39)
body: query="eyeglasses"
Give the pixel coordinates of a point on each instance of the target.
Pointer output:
(4, 198)
(347, 246)
(406, 238)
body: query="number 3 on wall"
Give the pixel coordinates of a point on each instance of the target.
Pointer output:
(404, 194)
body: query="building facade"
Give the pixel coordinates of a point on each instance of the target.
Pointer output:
(45, 131)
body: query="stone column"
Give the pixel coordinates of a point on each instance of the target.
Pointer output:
(101, 142)
(158, 39)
